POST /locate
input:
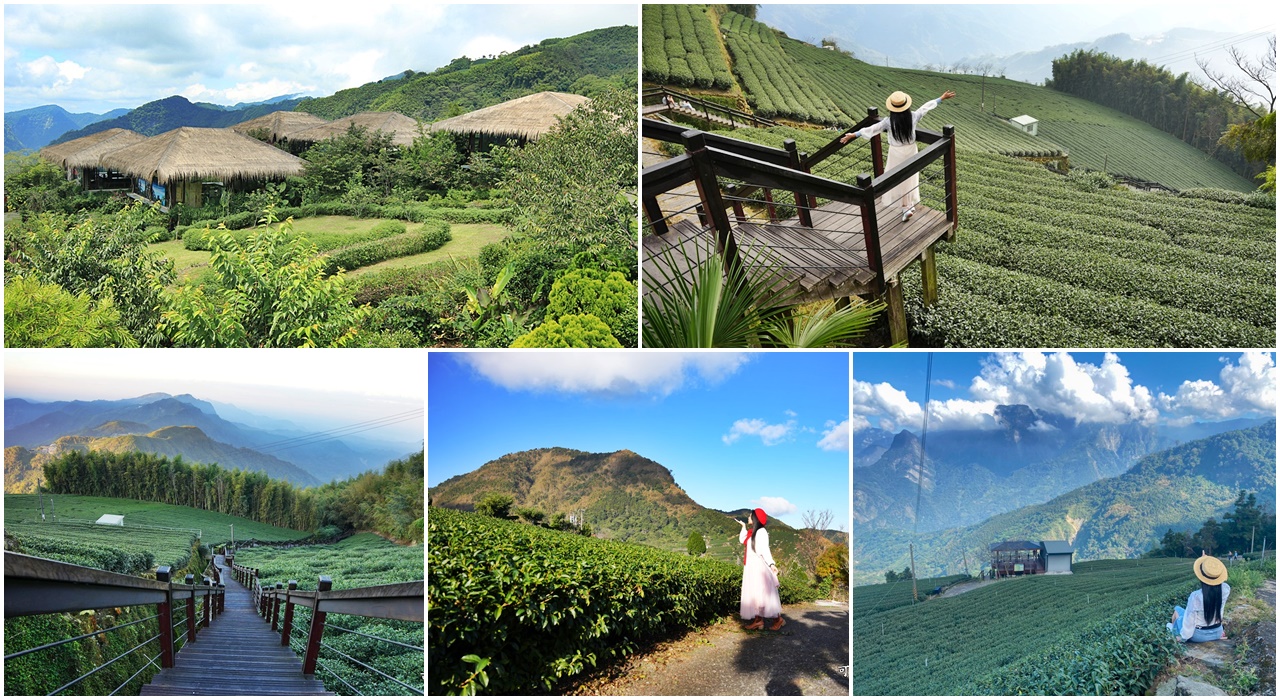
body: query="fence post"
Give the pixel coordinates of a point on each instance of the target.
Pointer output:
(287, 628)
(877, 145)
(164, 610)
(208, 614)
(275, 607)
(871, 229)
(949, 159)
(802, 202)
(317, 628)
(704, 176)
(192, 621)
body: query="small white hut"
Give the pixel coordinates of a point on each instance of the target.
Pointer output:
(1026, 122)
(109, 519)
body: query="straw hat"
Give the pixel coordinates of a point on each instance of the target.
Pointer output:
(898, 102)
(1210, 570)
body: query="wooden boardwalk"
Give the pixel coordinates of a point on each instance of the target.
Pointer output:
(827, 261)
(237, 655)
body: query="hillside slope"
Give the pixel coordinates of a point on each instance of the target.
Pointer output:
(622, 496)
(785, 78)
(1042, 260)
(577, 64)
(1117, 517)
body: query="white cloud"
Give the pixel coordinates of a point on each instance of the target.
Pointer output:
(836, 437)
(1057, 383)
(1247, 386)
(860, 422)
(885, 400)
(961, 414)
(619, 373)
(769, 433)
(52, 73)
(774, 505)
(488, 45)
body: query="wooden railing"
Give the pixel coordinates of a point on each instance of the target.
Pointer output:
(35, 586)
(735, 117)
(276, 602)
(757, 168)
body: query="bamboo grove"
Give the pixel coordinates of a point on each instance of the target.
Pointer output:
(387, 502)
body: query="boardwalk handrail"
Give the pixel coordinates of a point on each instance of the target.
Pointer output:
(37, 586)
(275, 602)
(733, 115)
(709, 157)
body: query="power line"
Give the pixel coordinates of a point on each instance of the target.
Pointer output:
(1210, 47)
(343, 431)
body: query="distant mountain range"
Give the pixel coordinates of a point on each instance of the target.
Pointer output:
(579, 64)
(622, 496)
(1114, 517)
(36, 432)
(37, 127)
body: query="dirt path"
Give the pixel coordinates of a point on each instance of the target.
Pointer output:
(966, 587)
(808, 656)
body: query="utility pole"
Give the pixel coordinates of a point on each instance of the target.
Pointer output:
(233, 536)
(984, 93)
(52, 512)
(915, 594)
(40, 491)
(966, 565)
(1252, 531)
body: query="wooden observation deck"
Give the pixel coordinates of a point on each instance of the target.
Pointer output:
(826, 239)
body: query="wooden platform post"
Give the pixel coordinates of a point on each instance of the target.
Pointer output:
(275, 606)
(165, 620)
(704, 176)
(896, 312)
(877, 146)
(653, 213)
(773, 211)
(929, 276)
(192, 621)
(287, 628)
(871, 230)
(949, 166)
(317, 628)
(802, 202)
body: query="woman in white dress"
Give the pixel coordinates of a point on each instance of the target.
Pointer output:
(1201, 620)
(901, 125)
(760, 597)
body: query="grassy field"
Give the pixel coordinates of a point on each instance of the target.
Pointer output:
(467, 241)
(20, 508)
(362, 560)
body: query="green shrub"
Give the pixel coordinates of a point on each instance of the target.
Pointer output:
(606, 295)
(571, 331)
(40, 315)
(387, 228)
(376, 251)
(436, 234)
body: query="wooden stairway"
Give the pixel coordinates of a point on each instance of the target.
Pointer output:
(237, 655)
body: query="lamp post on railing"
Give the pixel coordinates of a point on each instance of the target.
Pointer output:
(164, 611)
(192, 622)
(207, 612)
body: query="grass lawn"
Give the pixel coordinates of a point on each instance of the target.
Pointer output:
(187, 264)
(467, 241)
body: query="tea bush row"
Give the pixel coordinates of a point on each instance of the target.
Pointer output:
(431, 236)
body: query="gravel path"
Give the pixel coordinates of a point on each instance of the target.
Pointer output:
(808, 656)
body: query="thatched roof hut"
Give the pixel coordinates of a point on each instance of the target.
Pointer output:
(191, 153)
(402, 129)
(279, 125)
(85, 151)
(524, 118)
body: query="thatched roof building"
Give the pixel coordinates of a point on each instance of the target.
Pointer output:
(190, 153)
(402, 129)
(85, 151)
(522, 119)
(173, 167)
(279, 125)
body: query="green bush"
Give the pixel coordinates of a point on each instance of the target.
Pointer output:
(40, 315)
(513, 609)
(436, 234)
(376, 251)
(571, 331)
(606, 295)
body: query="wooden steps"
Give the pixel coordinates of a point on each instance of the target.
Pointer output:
(237, 654)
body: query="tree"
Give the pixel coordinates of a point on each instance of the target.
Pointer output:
(697, 546)
(833, 568)
(1253, 84)
(267, 291)
(533, 516)
(812, 542)
(496, 505)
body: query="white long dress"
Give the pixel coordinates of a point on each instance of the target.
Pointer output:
(907, 194)
(759, 583)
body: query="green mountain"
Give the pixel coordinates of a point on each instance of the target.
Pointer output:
(971, 475)
(172, 112)
(579, 64)
(621, 495)
(1113, 518)
(23, 465)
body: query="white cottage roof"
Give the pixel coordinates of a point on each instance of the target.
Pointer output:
(1024, 120)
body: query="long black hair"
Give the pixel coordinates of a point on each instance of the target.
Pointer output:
(902, 126)
(1212, 599)
(751, 517)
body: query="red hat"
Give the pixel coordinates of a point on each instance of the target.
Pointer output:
(761, 517)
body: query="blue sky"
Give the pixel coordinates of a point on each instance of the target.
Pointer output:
(736, 429)
(90, 57)
(1149, 387)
